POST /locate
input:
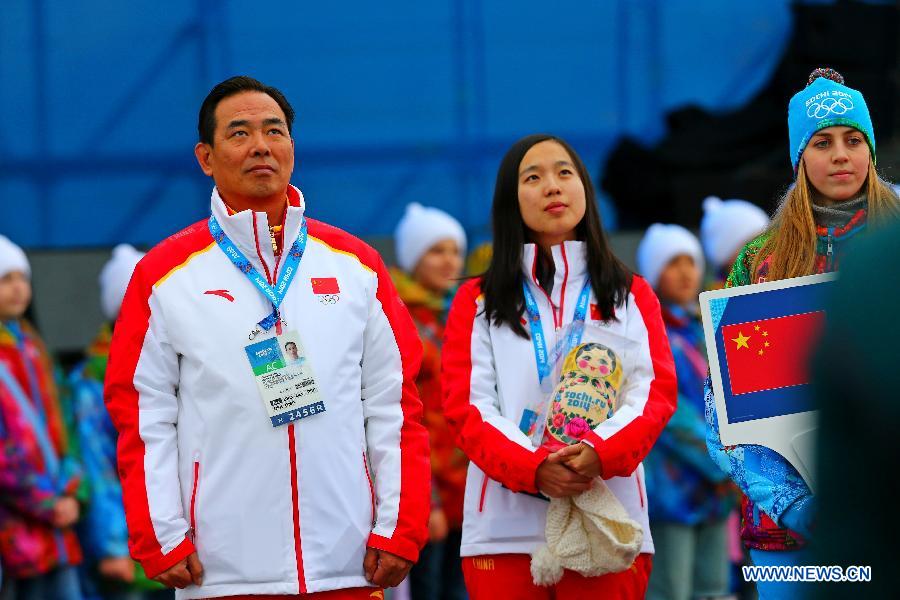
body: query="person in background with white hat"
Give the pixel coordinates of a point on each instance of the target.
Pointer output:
(430, 246)
(689, 497)
(38, 477)
(109, 571)
(726, 227)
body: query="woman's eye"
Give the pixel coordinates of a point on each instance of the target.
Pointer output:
(854, 141)
(566, 172)
(821, 144)
(531, 177)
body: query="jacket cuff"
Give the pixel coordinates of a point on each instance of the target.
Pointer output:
(162, 562)
(402, 548)
(530, 474)
(597, 443)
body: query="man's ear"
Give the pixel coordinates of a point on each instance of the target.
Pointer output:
(203, 151)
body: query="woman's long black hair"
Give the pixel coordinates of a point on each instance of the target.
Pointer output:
(502, 282)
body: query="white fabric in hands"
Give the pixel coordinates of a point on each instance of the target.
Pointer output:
(590, 533)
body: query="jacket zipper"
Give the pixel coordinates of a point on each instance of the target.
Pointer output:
(637, 479)
(484, 483)
(295, 501)
(371, 487)
(830, 251)
(562, 291)
(194, 500)
(558, 315)
(271, 277)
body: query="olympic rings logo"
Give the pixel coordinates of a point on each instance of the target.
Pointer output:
(829, 106)
(329, 298)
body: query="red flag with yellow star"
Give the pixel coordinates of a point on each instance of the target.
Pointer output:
(771, 353)
(325, 285)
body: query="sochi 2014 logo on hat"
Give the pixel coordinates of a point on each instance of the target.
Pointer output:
(326, 289)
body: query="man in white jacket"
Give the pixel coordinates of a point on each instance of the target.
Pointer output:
(245, 473)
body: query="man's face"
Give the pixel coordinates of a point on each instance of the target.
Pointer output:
(252, 155)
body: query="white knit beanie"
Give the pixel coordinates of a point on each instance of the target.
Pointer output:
(420, 229)
(660, 244)
(728, 225)
(114, 278)
(12, 258)
(590, 533)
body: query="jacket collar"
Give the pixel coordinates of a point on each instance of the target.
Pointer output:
(571, 269)
(246, 227)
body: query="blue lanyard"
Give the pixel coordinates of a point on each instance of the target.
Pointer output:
(541, 352)
(274, 294)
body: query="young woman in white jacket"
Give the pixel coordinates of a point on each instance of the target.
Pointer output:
(548, 244)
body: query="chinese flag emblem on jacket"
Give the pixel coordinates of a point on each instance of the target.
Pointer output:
(771, 353)
(325, 285)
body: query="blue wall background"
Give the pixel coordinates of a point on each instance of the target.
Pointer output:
(396, 102)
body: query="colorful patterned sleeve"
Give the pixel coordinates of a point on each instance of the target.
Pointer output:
(771, 482)
(22, 489)
(740, 271)
(685, 438)
(104, 531)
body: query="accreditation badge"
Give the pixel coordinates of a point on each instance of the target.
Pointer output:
(285, 378)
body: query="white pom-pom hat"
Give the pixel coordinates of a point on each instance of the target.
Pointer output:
(421, 228)
(660, 244)
(12, 258)
(114, 278)
(727, 225)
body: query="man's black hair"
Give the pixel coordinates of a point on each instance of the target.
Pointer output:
(206, 124)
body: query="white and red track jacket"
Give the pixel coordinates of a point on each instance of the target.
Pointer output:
(490, 377)
(282, 510)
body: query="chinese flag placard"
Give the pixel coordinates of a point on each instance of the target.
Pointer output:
(771, 353)
(325, 285)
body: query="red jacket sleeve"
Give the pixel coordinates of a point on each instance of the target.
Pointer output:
(396, 440)
(139, 346)
(491, 440)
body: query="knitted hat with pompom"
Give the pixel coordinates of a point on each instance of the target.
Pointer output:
(826, 102)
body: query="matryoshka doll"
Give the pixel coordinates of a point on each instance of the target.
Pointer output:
(585, 395)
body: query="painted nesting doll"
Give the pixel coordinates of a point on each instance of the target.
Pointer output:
(585, 395)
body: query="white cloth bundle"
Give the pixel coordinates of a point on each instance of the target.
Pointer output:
(590, 533)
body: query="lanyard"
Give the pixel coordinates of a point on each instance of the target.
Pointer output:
(541, 354)
(274, 294)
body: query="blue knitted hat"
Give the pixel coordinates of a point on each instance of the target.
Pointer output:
(826, 102)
